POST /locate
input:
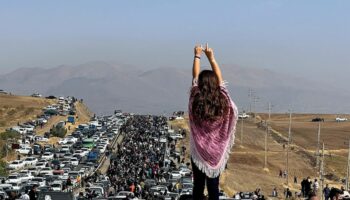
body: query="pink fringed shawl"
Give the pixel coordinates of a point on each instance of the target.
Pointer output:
(211, 142)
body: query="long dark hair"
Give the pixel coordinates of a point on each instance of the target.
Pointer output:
(209, 103)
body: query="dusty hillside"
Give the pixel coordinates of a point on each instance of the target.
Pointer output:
(246, 165)
(15, 109)
(335, 136)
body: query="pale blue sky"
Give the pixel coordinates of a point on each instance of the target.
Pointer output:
(307, 38)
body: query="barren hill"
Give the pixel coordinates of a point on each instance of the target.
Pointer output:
(18, 109)
(14, 109)
(106, 86)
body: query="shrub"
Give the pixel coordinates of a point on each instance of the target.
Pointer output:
(3, 170)
(29, 111)
(9, 135)
(58, 131)
(11, 112)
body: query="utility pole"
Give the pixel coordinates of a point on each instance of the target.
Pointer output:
(242, 119)
(289, 138)
(267, 134)
(322, 173)
(255, 100)
(318, 147)
(265, 162)
(348, 170)
(250, 95)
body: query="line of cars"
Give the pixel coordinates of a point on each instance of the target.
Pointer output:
(50, 167)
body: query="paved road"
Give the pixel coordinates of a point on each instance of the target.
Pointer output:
(105, 165)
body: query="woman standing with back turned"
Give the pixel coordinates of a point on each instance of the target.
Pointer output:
(213, 117)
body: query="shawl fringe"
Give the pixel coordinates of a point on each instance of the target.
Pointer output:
(210, 172)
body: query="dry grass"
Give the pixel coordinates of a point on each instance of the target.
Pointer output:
(246, 170)
(14, 109)
(25, 108)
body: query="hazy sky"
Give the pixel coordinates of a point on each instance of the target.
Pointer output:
(306, 38)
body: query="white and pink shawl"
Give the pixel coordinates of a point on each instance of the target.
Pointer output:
(211, 142)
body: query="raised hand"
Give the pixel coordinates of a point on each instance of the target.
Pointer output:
(198, 50)
(209, 52)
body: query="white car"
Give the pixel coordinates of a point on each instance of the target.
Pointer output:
(41, 139)
(16, 186)
(85, 150)
(341, 119)
(65, 148)
(47, 156)
(40, 165)
(176, 136)
(62, 141)
(39, 180)
(20, 130)
(14, 178)
(243, 116)
(175, 175)
(30, 161)
(16, 164)
(185, 171)
(24, 150)
(79, 152)
(26, 176)
(74, 161)
(56, 186)
(46, 170)
(102, 149)
(71, 138)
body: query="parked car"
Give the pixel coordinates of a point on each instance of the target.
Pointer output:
(30, 161)
(24, 150)
(47, 156)
(16, 164)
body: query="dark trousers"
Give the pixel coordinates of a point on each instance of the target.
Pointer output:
(199, 179)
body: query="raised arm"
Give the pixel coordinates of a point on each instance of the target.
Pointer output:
(214, 65)
(197, 61)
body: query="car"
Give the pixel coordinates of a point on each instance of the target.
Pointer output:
(56, 186)
(341, 119)
(39, 180)
(16, 186)
(175, 174)
(30, 161)
(80, 152)
(45, 170)
(24, 150)
(74, 161)
(71, 138)
(65, 148)
(176, 136)
(40, 165)
(47, 156)
(99, 191)
(67, 156)
(14, 178)
(26, 175)
(16, 164)
(243, 116)
(61, 153)
(33, 170)
(102, 149)
(41, 139)
(185, 171)
(62, 141)
(125, 194)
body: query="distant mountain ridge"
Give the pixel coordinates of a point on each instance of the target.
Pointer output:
(106, 86)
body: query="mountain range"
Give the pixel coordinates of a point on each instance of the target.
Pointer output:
(106, 86)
